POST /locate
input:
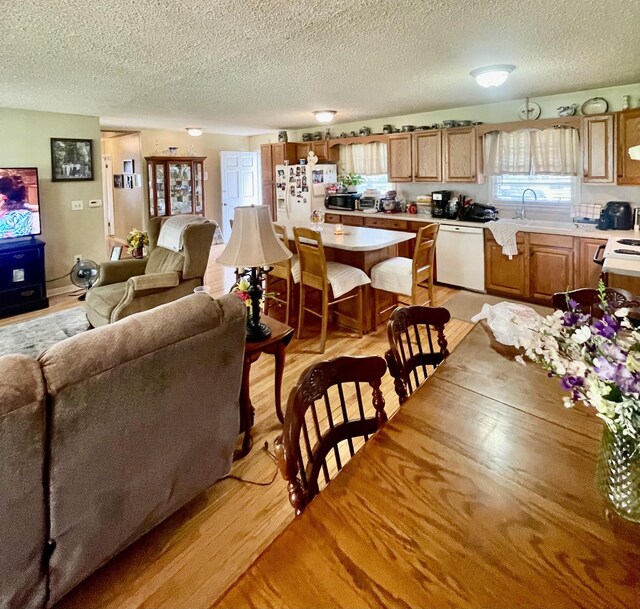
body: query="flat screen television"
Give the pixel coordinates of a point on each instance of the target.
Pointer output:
(19, 202)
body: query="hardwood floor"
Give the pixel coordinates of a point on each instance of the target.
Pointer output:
(191, 558)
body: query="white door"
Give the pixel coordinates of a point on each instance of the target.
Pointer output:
(107, 195)
(239, 184)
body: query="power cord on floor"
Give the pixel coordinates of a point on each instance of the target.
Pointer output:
(265, 447)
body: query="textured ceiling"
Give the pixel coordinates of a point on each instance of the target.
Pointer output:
(246, 67)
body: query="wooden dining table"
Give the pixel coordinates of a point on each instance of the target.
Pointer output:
(479, 492)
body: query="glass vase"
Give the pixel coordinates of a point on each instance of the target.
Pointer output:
(618, 473)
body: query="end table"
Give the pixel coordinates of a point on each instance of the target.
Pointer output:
(275, 345)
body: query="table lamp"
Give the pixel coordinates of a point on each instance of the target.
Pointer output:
(252, 247)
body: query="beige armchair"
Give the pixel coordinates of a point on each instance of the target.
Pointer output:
(125, 287)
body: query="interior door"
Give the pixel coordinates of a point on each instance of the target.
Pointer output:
(239, 184)
(107, 195)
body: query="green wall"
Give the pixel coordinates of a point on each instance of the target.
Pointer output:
(25, 142)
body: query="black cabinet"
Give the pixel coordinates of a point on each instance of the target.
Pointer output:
(22, 278)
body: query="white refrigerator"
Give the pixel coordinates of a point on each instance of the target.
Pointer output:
(300, 189)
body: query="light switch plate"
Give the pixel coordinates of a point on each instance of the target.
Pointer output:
(77, 205)
(18, 275)
(95, 203)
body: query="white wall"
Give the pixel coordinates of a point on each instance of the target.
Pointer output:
(25, 141)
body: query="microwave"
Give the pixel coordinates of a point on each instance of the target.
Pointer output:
(344, 202)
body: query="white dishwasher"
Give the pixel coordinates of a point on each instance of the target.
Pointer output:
(460, 256)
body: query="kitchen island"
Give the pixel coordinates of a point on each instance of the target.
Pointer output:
(363, 248)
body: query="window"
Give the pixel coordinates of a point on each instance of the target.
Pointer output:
(508, 188)
(379, 181)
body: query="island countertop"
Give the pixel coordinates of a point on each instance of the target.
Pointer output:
(354, 238)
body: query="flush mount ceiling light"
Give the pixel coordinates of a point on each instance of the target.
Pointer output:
(324, 116)
(492, 76)
(195, 131)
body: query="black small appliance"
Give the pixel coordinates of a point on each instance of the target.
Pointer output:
(616, 215)
(439, 201)
(451, 209)
(344, 202)
(479, 212)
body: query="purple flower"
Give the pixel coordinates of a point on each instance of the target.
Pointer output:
(606, 370)
(606, 327)
(571, 382)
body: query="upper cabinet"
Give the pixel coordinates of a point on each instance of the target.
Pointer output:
(628, 136)
(427, 156)
(598, 149)
(459, 154)
(399, 165)
(176, 185)
(266, 162)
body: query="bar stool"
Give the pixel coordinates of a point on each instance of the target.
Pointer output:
(287, 271)
(335, 281)
(403, 276)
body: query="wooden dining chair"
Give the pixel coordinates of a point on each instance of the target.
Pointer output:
(417, 345)
(328, 418)
(335, 281)
(286, 272)
(588, 300)
(405, 276)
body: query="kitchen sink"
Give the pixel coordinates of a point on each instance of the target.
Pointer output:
(551, 225)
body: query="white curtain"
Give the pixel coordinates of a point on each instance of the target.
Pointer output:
(554, 151)
(507, 153)
(365, 159)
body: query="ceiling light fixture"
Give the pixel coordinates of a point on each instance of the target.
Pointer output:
(195, 131)
(324, 116)
(492, 76)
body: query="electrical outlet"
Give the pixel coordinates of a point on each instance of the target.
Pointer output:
(77, 205)
(95, 203)
(77, 258)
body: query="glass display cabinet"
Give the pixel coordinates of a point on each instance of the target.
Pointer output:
(176, 185)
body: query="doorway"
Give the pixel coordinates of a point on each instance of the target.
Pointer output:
(239, 173)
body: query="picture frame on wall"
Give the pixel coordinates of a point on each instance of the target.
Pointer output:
(128, 166)
(137, 180)
(128, 181)
(118, 180)
(71, 160)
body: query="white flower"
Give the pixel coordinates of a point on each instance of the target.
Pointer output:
(582, 335)
(520, 360)
(624, 312)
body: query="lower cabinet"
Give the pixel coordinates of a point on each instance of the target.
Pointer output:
(545, 264)
(551, 266)
(504, 276)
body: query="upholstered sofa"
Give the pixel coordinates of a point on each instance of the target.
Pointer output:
(107, 433)
(129, 286)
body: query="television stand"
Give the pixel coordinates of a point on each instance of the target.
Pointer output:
(22, 277)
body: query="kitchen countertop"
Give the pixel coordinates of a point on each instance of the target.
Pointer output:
(528, 226)
(354, 238)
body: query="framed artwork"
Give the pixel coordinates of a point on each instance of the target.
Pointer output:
(71, 160)
(118, 180)
(128, 181)
(116, 252)
(128, 166)
(137, 180)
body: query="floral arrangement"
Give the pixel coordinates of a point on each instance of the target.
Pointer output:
(136, 239)
(596, 358)
(241, 290)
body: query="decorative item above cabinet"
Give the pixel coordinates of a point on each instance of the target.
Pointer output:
(628, 136)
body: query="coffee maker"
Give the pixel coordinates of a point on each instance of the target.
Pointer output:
(439, 200)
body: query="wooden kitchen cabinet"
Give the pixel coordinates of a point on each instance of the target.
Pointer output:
(399, 157)
(459, 154)
(266, 162)
(598, 149)
(628, 135)
(281, 152)
(302, 150)
(503, 276)
(551, 266)
(587, 271)
(269, 196)
(405, 248)
(332, 218)
(427, 156)
(353, 220)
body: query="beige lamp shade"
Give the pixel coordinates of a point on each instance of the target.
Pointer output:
(253, 241)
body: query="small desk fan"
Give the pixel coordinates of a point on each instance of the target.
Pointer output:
(84, 274)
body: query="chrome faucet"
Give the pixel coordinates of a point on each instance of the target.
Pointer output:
(522, 215)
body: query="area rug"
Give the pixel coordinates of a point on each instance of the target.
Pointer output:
(464, 305)
(34, 336)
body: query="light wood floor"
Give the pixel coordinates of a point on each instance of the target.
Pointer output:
(191, 558)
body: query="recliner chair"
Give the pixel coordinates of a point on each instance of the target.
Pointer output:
(125, 287)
